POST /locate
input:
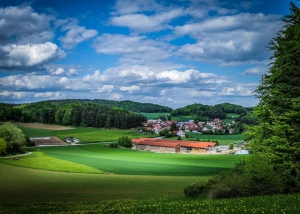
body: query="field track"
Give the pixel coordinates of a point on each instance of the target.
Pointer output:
(44, 126)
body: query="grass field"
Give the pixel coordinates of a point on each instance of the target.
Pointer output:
(85, 135)
(97, 179)
(92, 135)
(107, 173)
(222, 139)
(285, 204)
(124, 161)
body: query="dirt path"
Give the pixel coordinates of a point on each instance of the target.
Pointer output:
(15, 156)
(44, 126)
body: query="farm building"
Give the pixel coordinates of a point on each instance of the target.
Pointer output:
(172, 146)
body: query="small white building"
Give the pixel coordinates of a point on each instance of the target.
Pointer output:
(181, 133)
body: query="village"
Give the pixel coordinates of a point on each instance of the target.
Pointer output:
(181, 129)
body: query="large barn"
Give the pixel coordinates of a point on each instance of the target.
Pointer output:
(172, 146)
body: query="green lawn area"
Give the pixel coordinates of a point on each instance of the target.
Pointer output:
(222, 139)
(85, 135)
(130, 162)
(97, 172)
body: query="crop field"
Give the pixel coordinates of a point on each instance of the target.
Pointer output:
(127, 162)
(85, 135)
(222, 139)
(96, 172)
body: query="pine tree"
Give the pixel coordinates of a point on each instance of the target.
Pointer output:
(278, 110)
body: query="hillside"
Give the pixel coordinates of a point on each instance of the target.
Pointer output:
(126, 104)
(204, 112)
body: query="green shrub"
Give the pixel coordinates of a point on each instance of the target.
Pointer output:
(113, 145)
(231, 146)
(125, 142)
(194, 190)
(3, 146)
(29, 142)
(253, 177)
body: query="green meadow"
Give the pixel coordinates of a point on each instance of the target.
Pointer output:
(85, 135)
(96, 172)
(222, 139)
(95, 178)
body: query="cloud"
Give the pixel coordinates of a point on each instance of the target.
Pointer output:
(144, 23)
(72, 72)
(254, 71)
(58, 71)
(134, 6)
(96, 77)
(29, 55)
(25, 39)
(48, 95)
(23, 25)
(76, 35)
(116, 97)
(130, 89)
(226, 40)
(132, 46)
(105, 88)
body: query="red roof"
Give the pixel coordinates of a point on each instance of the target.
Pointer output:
(172, 143)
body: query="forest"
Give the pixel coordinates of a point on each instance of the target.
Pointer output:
(74, 114)
(202, 112)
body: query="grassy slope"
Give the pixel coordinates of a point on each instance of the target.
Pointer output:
(39, 160)
(25, 184)
(125, 161)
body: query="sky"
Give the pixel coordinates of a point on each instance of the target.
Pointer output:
(171, 53)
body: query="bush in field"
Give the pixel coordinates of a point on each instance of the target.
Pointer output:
(231, 146)
(124, 141)
(2, 146)
(29, 142)
(253, 177)
(194, 190)
(113, 145)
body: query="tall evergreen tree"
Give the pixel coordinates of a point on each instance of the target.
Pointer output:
(278, 133)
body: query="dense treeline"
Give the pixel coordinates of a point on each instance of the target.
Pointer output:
(203, 112)
(8, 112)
(75, 114)
(99, 116)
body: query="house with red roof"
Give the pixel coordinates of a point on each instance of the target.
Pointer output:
(171, 146)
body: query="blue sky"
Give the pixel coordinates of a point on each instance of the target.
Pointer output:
(172, 53)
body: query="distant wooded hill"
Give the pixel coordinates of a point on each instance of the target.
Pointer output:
(81, 112)
(106, 113)
(203, 112)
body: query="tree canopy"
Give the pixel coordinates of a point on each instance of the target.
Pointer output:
(278, 110)
(12, 135)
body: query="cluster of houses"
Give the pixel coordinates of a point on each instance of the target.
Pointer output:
(213, 126)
